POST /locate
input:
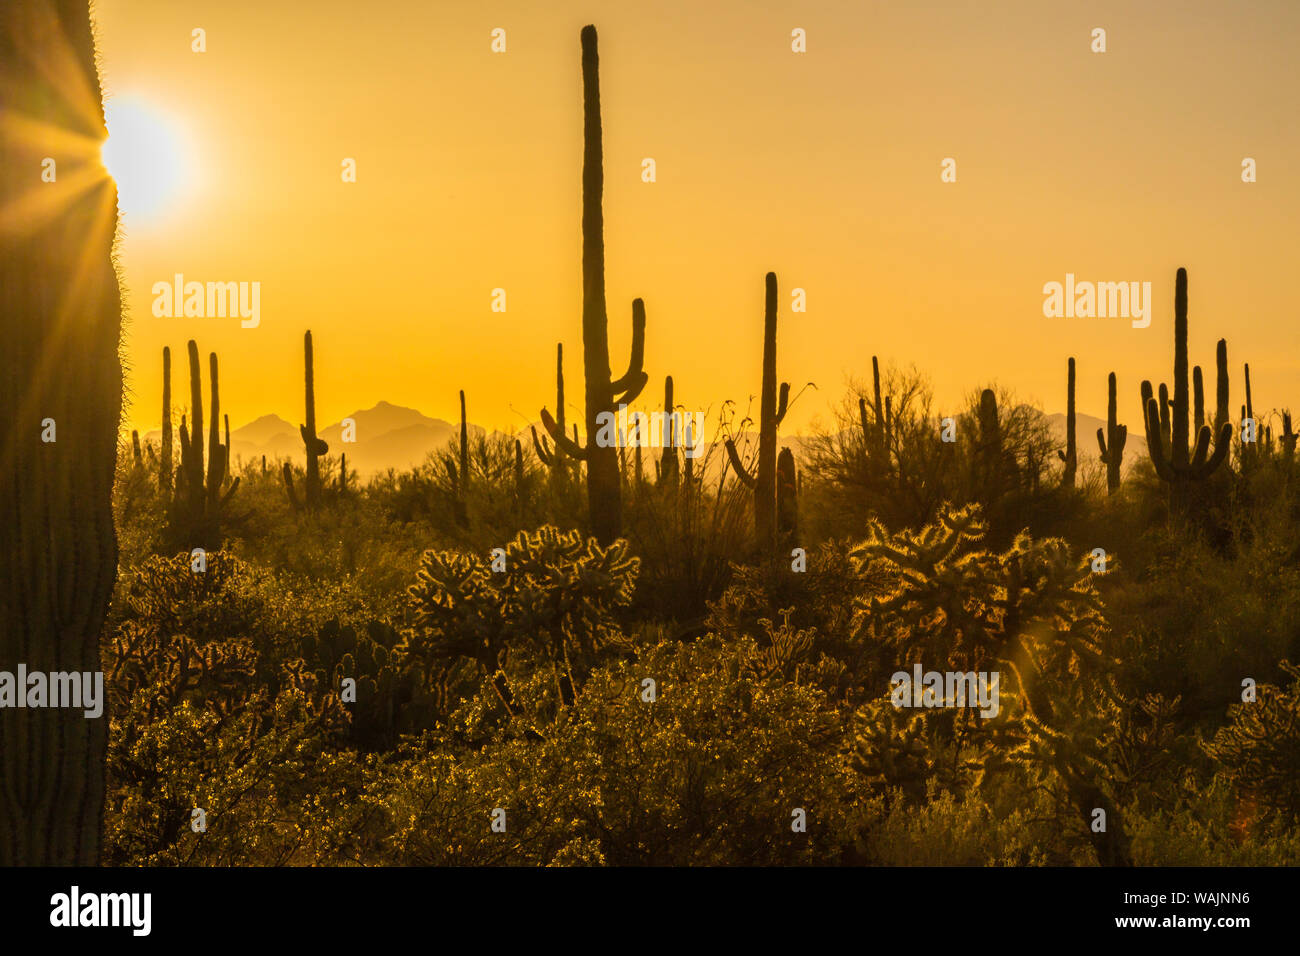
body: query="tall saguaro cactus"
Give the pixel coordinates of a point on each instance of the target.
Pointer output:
(1177, 463)
(61, 391)
(604, 494)
(1113, 439)
(165, 454)
(771, 412)
(311, 441)
(1070, 455)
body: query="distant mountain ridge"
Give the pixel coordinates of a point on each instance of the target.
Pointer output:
(401, 438)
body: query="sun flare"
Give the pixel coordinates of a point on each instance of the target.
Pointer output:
(146, 155)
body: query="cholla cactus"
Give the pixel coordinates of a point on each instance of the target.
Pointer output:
(463, 608)
(1029, 613)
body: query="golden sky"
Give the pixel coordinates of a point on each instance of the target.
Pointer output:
(823, 167)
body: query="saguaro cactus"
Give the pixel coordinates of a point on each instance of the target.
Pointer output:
(771, 413)
(1177, 463)
(1113, 439)
(787, 497)
(60, 323)
(1069, 456)
(165, 453)
(877, 430)
(604, 495)
(461, 479)
(316, 448)
(197, 507)
(554, 458)
(669, 466)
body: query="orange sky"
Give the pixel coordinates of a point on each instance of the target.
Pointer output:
(823, 167)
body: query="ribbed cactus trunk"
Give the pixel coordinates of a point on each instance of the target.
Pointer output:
(60, 322)
(603, 493)
(165, 454)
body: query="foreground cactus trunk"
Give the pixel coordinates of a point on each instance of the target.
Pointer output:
(61, 389)
(604, 492)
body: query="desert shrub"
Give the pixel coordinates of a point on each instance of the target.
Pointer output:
(710, 772)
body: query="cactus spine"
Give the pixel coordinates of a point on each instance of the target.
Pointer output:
(771, 413)
(1069, 456)
(1177, 463)
(312, 442)
(604, 494)
(1112, 440)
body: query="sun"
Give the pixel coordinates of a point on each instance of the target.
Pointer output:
(146, 155)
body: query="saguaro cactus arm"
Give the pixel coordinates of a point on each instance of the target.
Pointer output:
(562, 441)
(746, 479)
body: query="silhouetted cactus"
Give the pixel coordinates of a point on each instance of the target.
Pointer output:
(787, 497)
(199, 501)
(1288, 438)
(1175, 462)
(604, 496)
(771, 413)
(520, 490)
(343, 473)
(877, 431)
(137, 459)
(990, 457)
(554, 458)
(460, 476)
(166, 453)
(1112, 440)
(286, 472)
(669, 466)
(1070, 455)
(315, 447)
(1249, 449)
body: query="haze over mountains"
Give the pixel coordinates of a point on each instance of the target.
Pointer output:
(392, 436)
